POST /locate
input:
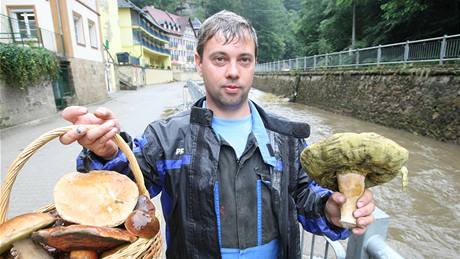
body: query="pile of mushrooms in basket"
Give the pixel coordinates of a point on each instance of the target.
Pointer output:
(96, 212)
(350, 162)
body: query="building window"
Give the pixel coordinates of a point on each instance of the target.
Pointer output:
(92, 34)
(78, 27)
(24, 23)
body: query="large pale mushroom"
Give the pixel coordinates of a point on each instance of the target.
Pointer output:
(20, 227)
(97, 198)
(83, 240)
(350, 162)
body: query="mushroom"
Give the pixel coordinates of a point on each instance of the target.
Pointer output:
(97, 198)
(81, 240)
(20, 227)
(350, 162)
(142, 222)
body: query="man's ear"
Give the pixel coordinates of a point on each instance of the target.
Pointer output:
(198, 62)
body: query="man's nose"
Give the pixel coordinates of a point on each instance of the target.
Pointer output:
(232, 70)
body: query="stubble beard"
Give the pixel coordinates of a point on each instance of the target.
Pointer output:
(228, 102)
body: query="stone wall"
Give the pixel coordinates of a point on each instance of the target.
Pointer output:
(424, 101)
(157, 76)
(88, 80)
(185, 75)
(138, 76)
(19, 106)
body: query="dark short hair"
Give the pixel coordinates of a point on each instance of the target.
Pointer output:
(230, 25)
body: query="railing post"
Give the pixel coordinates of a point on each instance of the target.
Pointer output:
(379, 54)
(442, 55)
(357, 58)
(314, 62)
(326, 59)
(40, 37)
(305, 63)
(12, 30)
(406, 52)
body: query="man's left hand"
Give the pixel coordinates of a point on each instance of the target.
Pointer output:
(363, 213)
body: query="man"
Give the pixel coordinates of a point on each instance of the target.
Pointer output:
(229, 173)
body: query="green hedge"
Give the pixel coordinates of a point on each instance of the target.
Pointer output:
(22, 67)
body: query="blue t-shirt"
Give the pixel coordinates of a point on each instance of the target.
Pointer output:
(234, 131)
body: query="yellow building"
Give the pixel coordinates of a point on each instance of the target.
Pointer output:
(142, 41)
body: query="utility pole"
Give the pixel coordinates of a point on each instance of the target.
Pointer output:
(353, 29)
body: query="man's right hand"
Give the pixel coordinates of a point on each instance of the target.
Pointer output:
(98, 139)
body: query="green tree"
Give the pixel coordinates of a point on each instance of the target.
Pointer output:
(418, 19)
(268, 17)
(215, 6)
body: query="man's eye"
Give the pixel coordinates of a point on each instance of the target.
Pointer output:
(245, 61)
(219, 60)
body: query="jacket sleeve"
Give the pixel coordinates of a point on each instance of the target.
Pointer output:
(142, 147)
(310, 200)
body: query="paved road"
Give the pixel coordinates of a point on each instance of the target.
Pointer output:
(34, 185)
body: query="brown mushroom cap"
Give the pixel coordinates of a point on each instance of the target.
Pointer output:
(21, 227)
(144, 203)
(142, 223)
(97, 198)
(378, 158)
(83, 237)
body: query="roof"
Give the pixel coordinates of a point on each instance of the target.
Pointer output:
(176, 24)
(129, 4)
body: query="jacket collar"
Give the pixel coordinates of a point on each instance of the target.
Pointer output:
(261, 121)
(270, 121)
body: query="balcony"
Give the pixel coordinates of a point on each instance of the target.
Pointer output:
(155, 48)
(13, 31)
(145, 26)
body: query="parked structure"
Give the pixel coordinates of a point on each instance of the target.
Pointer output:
(69, 28)
(182, 40)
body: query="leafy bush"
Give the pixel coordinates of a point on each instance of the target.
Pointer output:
(24, 66)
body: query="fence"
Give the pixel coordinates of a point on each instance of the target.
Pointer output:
(28, 34)
(440, 50)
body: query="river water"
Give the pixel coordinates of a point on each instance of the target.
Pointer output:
(424, 219)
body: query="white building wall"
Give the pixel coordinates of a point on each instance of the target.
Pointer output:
(43, 18)
(42, 11)
(84, 52)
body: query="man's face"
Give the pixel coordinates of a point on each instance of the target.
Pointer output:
(227, 70)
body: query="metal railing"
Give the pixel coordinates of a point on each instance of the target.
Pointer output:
(369, 245)
(435, 50)
(13, 31)
(153, 31)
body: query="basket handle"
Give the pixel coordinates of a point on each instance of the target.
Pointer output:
(22, 158)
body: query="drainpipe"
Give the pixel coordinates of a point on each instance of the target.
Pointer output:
(59, 16)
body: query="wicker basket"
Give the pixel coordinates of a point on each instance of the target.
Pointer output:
(141, 248)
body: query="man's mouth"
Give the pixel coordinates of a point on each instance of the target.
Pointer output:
(231, 88)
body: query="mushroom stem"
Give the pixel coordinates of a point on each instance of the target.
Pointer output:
(351, 185)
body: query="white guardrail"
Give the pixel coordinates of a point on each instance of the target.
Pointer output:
(440, 50)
